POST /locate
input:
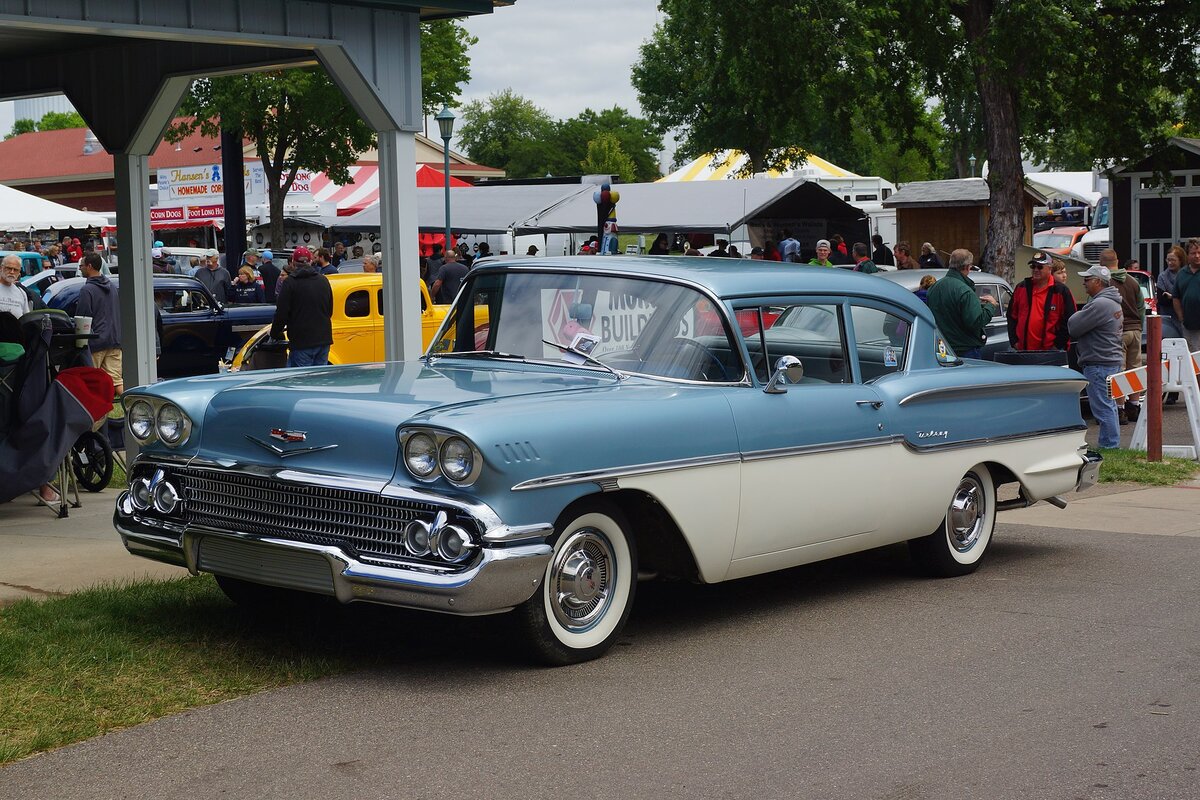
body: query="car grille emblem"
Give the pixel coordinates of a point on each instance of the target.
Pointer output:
(290, 437)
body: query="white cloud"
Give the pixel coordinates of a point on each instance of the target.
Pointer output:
(562, 55)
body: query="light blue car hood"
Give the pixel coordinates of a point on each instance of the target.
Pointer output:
(360, 409)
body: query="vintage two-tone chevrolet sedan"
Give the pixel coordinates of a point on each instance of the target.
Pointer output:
(580, 423)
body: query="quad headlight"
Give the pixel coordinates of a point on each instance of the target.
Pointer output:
(430, 454)
(150, 418)
(170, 423)
(420, 455)
(140, 419)
(457, 459)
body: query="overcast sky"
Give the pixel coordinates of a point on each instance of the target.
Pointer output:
(563, 55)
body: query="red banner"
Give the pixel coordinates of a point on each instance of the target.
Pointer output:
(167, 214)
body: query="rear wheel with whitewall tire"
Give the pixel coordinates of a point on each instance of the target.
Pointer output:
(587, 590)
(961, 540)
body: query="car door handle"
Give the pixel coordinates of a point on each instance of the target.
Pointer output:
(876, 404)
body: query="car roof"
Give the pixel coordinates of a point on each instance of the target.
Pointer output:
(911, 278)
(727, 278)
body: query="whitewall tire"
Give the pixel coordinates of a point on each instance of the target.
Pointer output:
(961, 540)
(587, 590)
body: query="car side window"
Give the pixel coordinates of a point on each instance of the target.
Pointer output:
(358, 304)
(1002, 295)
(881, 339)
(812, 332)
(199, 301)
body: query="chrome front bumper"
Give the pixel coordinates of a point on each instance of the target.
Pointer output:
(1089, 471)
(503, 578)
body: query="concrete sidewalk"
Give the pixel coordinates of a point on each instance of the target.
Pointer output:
(1121, 508)
(41, 556)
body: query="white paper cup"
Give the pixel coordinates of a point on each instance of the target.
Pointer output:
(82, 325)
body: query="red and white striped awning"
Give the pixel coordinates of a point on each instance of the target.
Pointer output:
(363, 190)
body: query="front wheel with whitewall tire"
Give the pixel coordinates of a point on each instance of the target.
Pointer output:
(961, 540)
(587, 591)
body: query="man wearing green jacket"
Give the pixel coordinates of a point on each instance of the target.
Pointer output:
(961, 315)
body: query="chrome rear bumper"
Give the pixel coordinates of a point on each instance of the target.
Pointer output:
(1089, 472)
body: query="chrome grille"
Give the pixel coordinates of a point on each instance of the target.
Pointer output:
(362, 523)
(1092, 251)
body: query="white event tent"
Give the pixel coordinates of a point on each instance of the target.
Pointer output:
(20, 211)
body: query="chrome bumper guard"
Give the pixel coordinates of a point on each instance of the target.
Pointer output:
(503, 578)
(1089, 472)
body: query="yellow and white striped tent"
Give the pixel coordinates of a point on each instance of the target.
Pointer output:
(723, 165)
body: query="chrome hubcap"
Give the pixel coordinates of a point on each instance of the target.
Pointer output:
(967, 514)
(581, 579)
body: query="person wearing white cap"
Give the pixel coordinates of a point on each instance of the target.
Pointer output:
(1096, 331)
(215, 277)
(823, 251)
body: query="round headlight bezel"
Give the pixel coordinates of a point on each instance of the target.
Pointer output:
(136, 408)
(414, 532)
(457, 460)
(180, 430)
(446, 551)
(419, 438)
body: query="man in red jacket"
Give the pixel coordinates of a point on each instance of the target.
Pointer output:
(1039, 310)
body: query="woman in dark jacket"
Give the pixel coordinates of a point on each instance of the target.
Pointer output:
(661, 246)
(245, 288)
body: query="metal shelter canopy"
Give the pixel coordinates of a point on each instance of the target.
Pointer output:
(477, 209)
(700, 206)
(126, 64)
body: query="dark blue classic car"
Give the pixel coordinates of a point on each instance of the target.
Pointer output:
(580, 424)
(197, 330)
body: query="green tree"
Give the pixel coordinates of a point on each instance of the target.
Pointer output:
(297, 119)
(50, 121)
(1095, 86)
(763, 94)
(504, 131)
(636, 136)
(22, 126)
(605, 157)
(60, 120)
(445, 63)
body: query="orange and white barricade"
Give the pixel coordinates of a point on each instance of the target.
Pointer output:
(1179, 370)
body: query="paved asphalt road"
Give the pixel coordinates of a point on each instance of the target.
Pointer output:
(1067, 667)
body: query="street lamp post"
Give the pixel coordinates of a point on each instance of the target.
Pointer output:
(971, 160)
(445, 121)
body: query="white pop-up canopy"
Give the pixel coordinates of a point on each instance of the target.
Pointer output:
(701, 207)
(20, 211)
(475, 209)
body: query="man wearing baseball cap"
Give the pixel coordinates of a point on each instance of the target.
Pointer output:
(1096, 329)
(215, 277)
(269, 271)
(823, 251)
(1040, 308)
(303, 309)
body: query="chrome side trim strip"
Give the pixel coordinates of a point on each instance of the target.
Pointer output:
(812, 449)
(995, 388)
(988, 440)
(607, 477)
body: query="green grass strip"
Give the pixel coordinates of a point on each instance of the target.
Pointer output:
(75, 667)
(1131, 466)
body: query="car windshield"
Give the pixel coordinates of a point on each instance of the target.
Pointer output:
(632, 325)
(1048, 240)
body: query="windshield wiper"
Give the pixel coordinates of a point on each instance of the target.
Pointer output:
(431, 357)
(589, 359)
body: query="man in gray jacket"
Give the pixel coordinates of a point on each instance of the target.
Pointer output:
(1096, 331)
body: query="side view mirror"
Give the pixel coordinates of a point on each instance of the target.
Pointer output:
(788, 369)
